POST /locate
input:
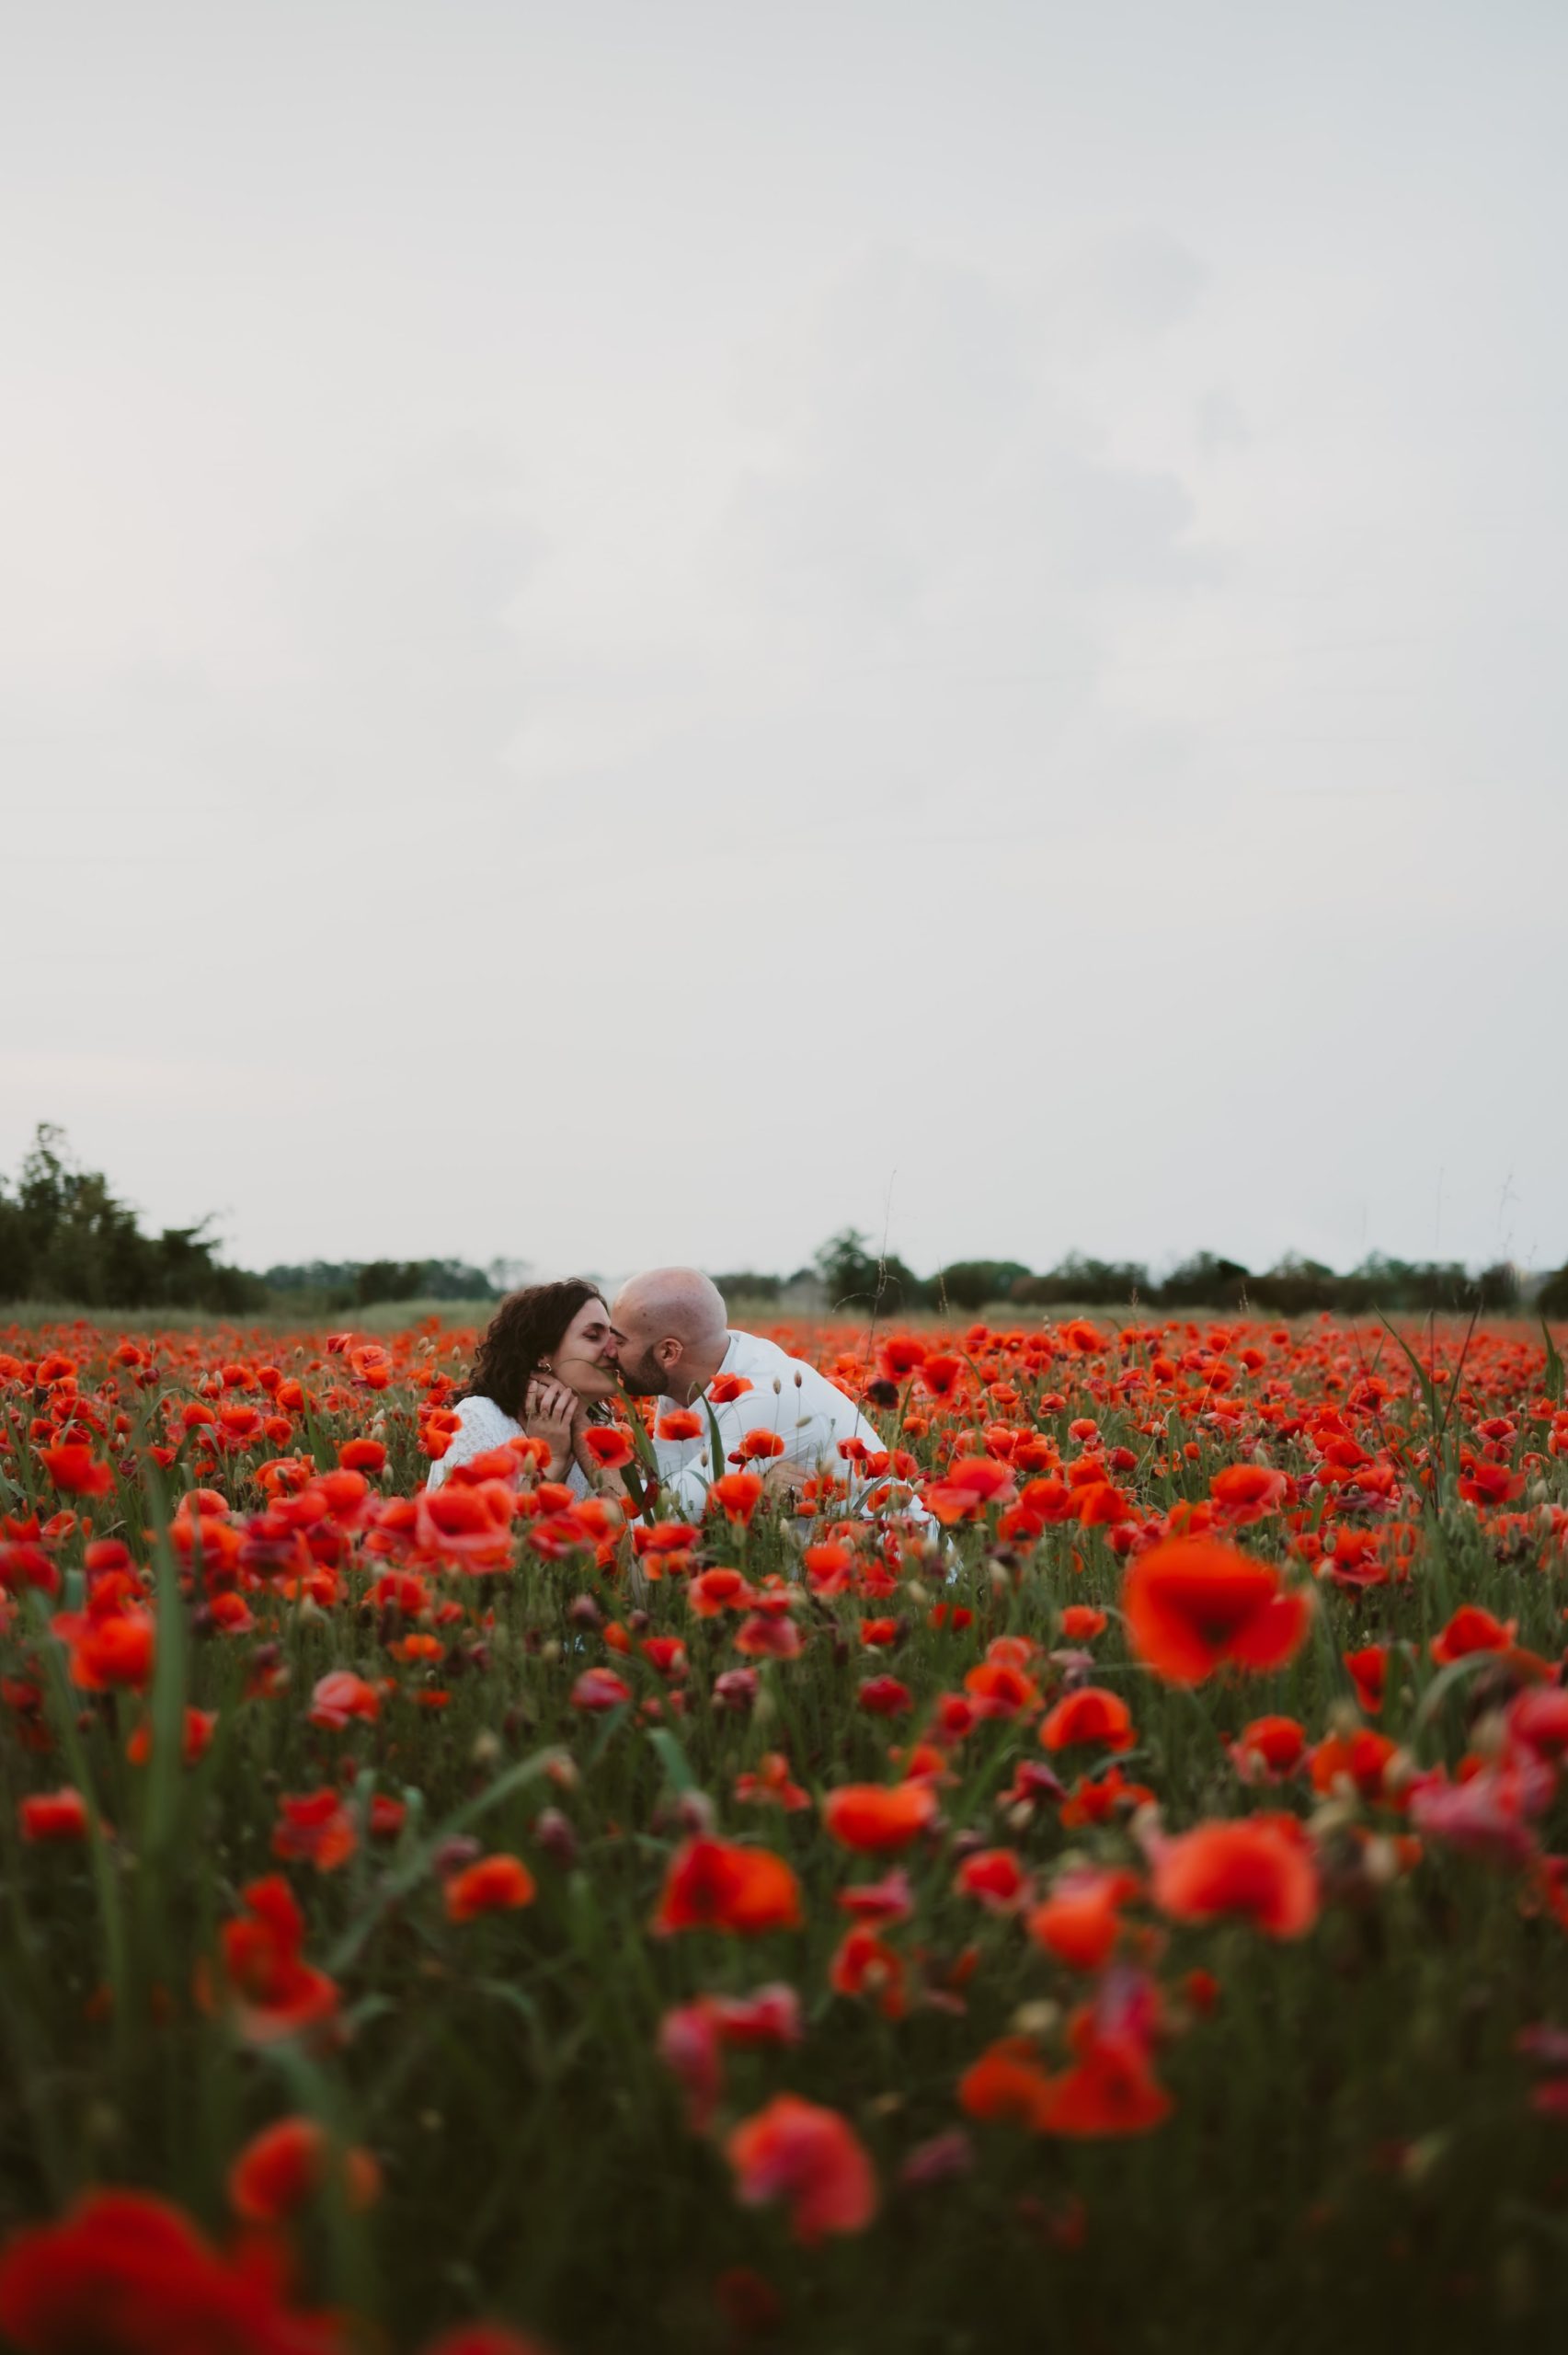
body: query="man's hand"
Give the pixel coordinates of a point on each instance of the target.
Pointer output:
(783, 1478)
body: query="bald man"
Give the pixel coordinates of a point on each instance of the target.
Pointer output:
(673, 1343)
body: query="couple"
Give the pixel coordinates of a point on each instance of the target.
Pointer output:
(553, 1356)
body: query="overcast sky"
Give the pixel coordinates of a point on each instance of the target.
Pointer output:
(635, 631)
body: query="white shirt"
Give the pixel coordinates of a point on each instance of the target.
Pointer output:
(809, 1413)
(482, 1426)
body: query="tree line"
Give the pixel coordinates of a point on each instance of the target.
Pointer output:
(65, 1235)
(855, 1276)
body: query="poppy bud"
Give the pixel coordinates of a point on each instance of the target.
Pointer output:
(557, 1837)
(486, 1748)
(583, 1612)
(459, 1848)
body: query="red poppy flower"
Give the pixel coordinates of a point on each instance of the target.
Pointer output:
(362, 1455)
(273, 1992)
(117, 1648)
(1369, 1672)
(340, 1697)
(715, 1884)
(1357, 1760)
(891, 1898)
(867, 1965)
(127, 2274)
(678, 1422)
(995, 1877)
(768, 1634)
(1258, 1869)
(281, 2170)
(1539, 1719)
(53, 1816)
(724, 1388)
(1244, 1492)
(1471, 1629)
(999, 1688)
(1277, 1745)
(608, 1446)
(1109, 2090)
(809, 2157)
(600, 1688)
(1192, 1604)
(317, 1826)
(885, 1696)
(72, 1471)
(1089, 1714)
(483, 2338)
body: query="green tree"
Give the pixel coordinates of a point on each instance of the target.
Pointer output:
(873, 1285)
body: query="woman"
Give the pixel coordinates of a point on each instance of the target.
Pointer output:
(546, 1366)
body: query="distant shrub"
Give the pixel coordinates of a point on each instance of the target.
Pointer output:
(969, 1283)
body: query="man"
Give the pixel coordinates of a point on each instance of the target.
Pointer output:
(673, 1343)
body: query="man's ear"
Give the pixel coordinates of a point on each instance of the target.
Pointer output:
(669, 1353)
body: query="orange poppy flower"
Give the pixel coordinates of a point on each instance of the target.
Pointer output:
(1192, 1604)
(1258, 1869)
(1006, 2087)
(498, 1884)
(737, 1494)
(876, 1818)
(1080, 1920)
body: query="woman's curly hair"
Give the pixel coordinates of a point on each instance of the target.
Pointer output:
(526, 1326)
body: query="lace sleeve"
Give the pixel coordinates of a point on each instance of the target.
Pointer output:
(481, 1425)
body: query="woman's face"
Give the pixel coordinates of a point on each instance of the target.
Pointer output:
(586, 1357)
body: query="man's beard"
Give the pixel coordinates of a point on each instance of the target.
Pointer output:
(641, 1377)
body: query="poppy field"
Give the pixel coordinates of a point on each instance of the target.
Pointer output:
(1116, 1889)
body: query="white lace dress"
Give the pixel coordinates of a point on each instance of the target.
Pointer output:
(482, 1426)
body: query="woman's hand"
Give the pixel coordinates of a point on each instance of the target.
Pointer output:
(549, 1411)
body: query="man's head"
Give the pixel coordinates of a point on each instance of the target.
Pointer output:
(672, 1332)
